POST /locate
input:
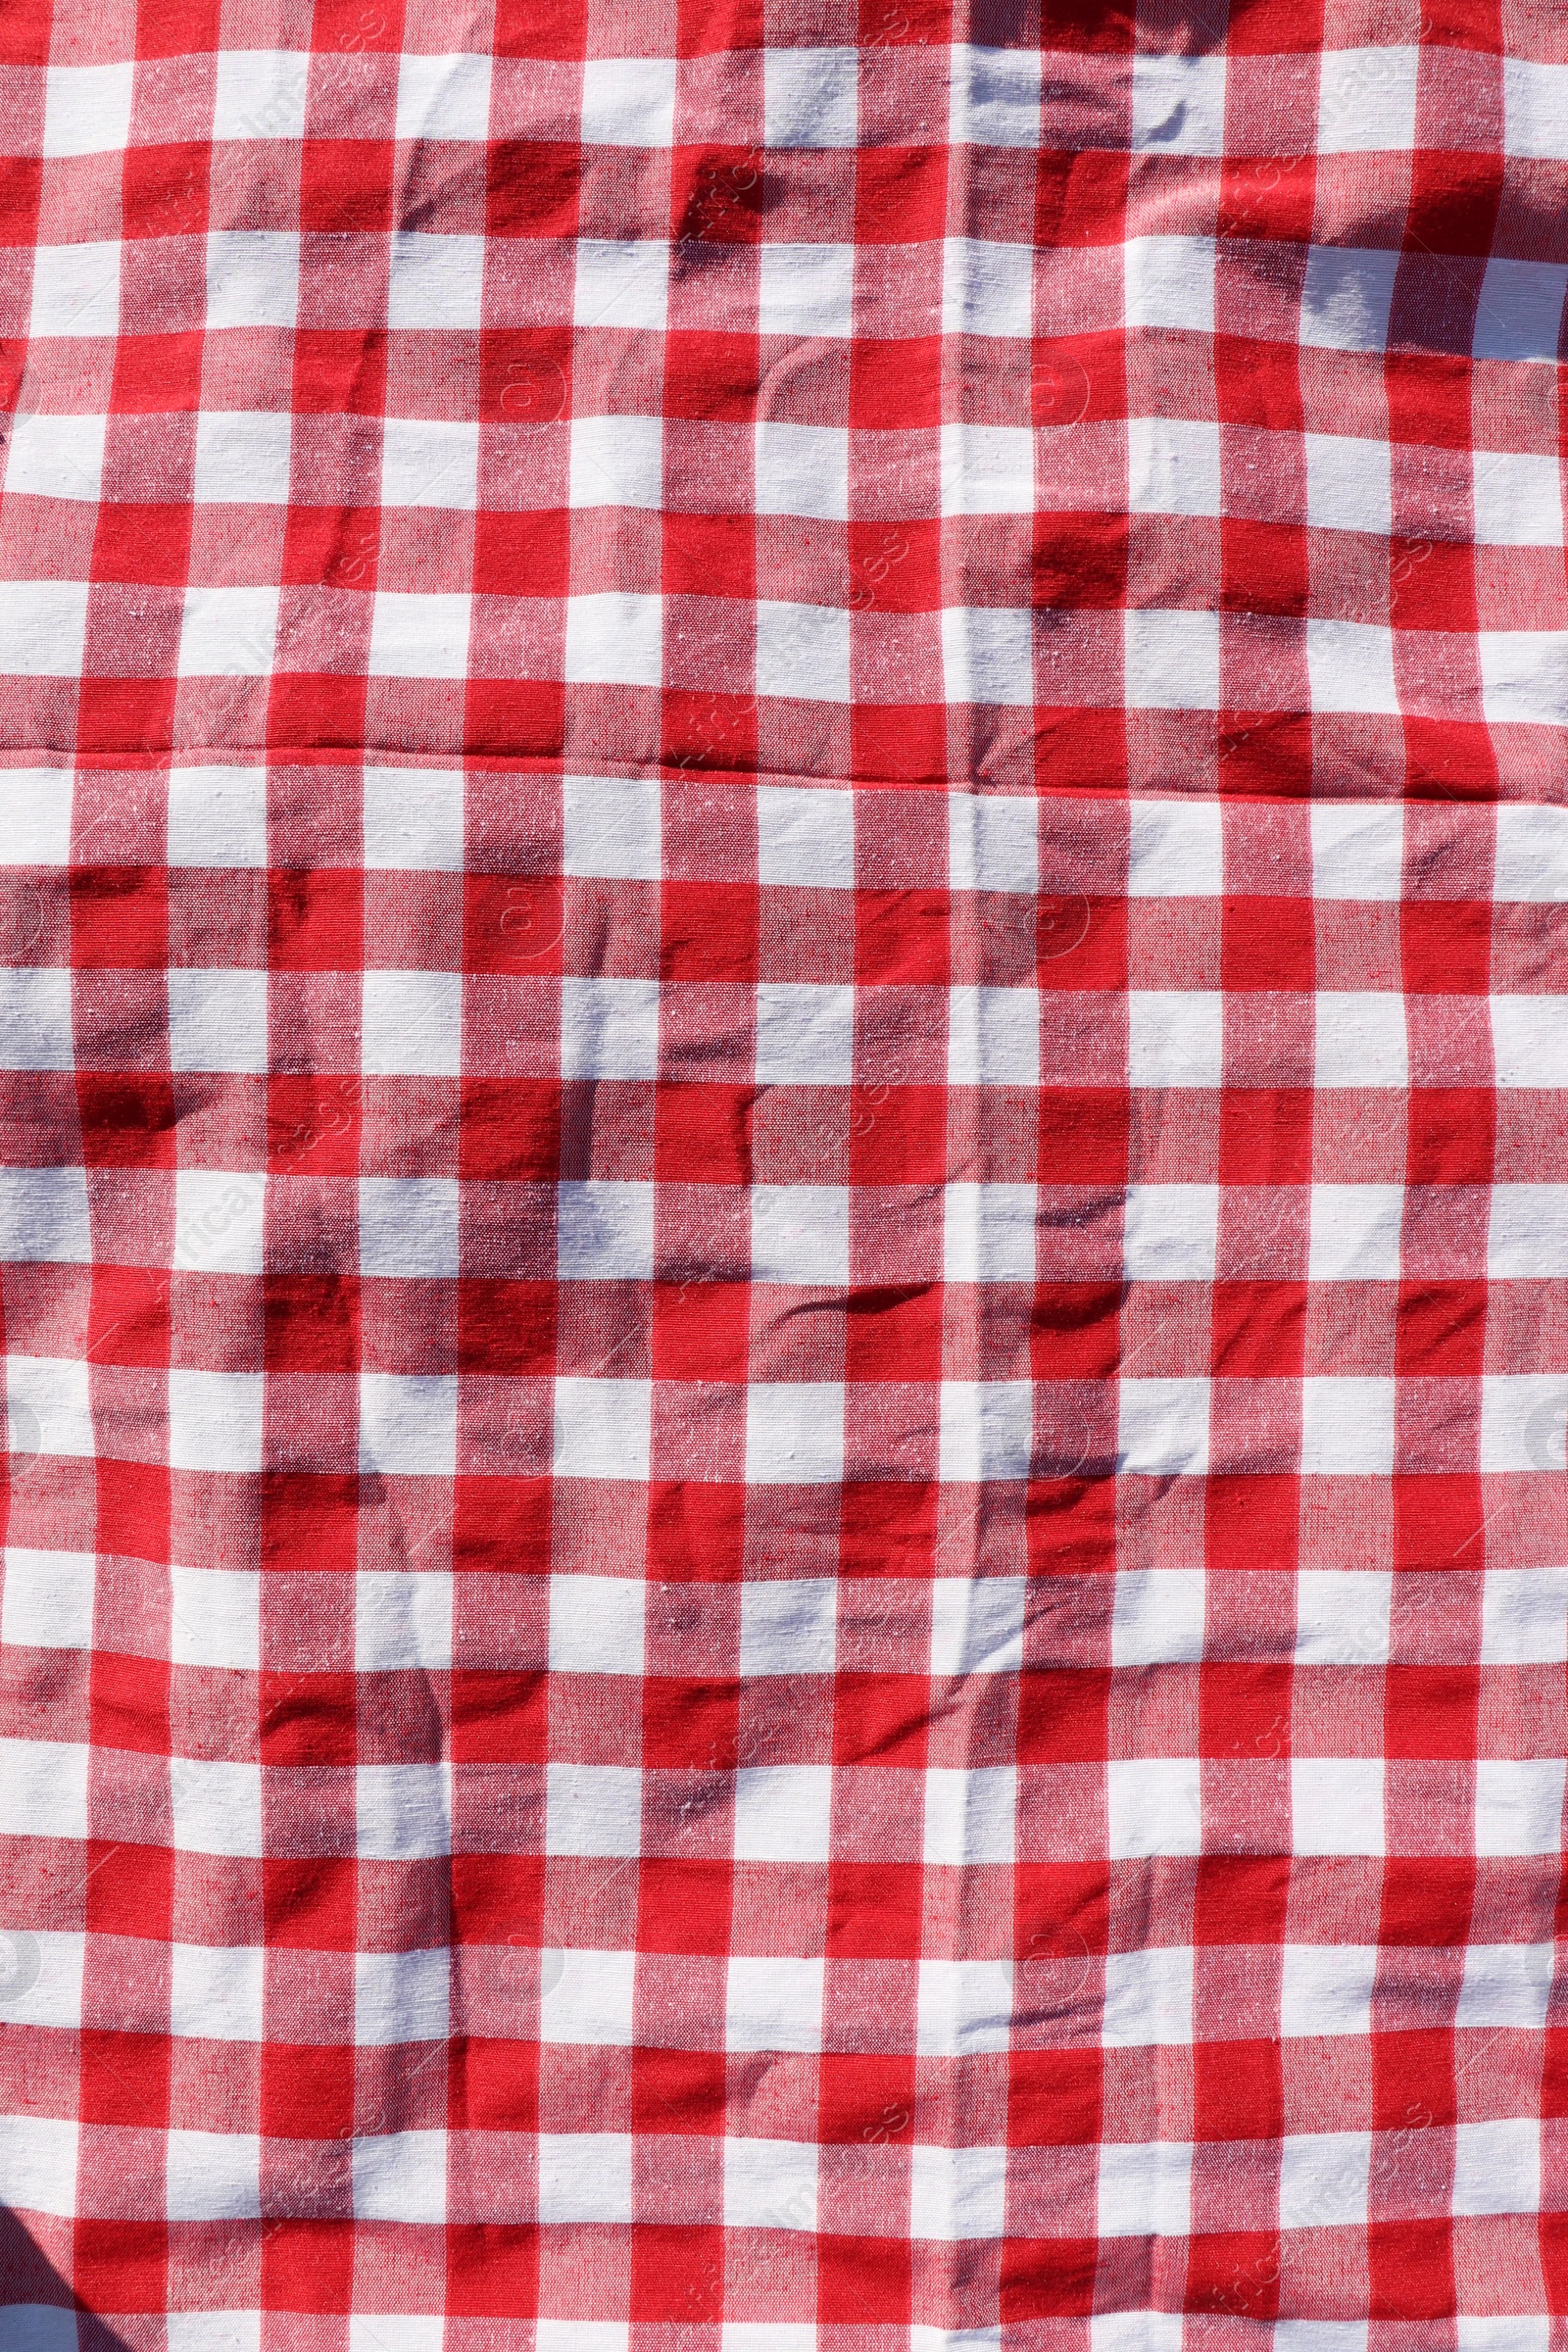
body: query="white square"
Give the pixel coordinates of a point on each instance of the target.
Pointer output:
(805, 290)
(35, 814)
(1172, 467)
(1361, 1039)
(218, 1221)
(1175, 850)
(49, 1405)
(993, 1036)
(1496, 2166)
(988, 654)
(76, 289)
(613, 827)
(977, 1624)
(217, 816)
(1172, 661)
(402, 1620)
(769, 2184)
(211, 2175)
(1170, 1232)
(1170, 282)
(1176, 1038)
(35, 1024)
(988, 1232)
(1345, 298)
(43, 1218)
(593, 1809)
(623, 283)
(1522, 1421)
(1323, 2179)
(801, 1234)
(1519, 315)
(1356, 1233)
(969, 1814)
(38, 2175)
(1145, 2191)
(55, 457)
(253, 278)
(400, 2176)
(782, 1812)
(43, 627)
(242, 456)
(1164, 1428)
(1347, 1427)
(215, 1618)
(429, 461)
(1519, 1806)
(602, 1428)
(773, 2004)
(1506, 1985)
(412, 1024)
(802, 650)
(409, 1424)
(588, 1997)
(1149, 1998)
(604, 1232)
(794, 1432)
(1178, 105)
(789, 1625)
(217, 1019)
(1157, 1617)
(958, 2195)
(1337, 1805)
(227, 632)
(401, 1997)
(1535, 110)
(1522, 679)
(215, 1421)
(993, 97)
(804, 1035)
(418, 636)
(1517, 501)
(261, 93)
(628, 102)
(1326, 1988)
(412, 819)
(215, 1808)
(48, 1601)
(993, 842)
(403, 1812)
(802, 469)
(1531, 853)
(1366, 100)
(810, 97)
(804, 838)
(585, 2177)
(43, 1794)
(608, 1028)
(409, 1227)
(1348, 484)
(436, 281)
(1529, 1042)
(986, 1429)
(444, 97)
(987, 470)
(1524, 1617)
(1154, 1806)
(597, 1624)
(1137, 2331)
(617, 462)
(987, 288)
(963, 2008)
(393, 2332)
(1350, 666)
(217, 1991)
(1342, 1616)
(615, 640)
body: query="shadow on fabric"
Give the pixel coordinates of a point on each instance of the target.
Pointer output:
(38, 2312)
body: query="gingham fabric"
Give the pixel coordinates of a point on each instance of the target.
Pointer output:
(783, 1176)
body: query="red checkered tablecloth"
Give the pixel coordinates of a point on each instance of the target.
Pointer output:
(783, 1176)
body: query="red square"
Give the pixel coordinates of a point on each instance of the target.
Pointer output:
(305, 2267)
(700, 1330)
(863, 2282)
(1267, 944)
(1265, 755)
(309, 1514)
(866, 2100)
(1061, 1714)
(1432, 1711)
(881, 1719)
(130, 1704)
(309, 1904)
(895, 567)
(1259, 1330)
(708, 931)
(492, 2270)
(1080, 561)
(133, 1509)
(1241, 1899)
(1442, 1330)
(127, 1320)
(306, 2091)
(882, 1520)
(128, 1890)
(709, 555)
(898, 1135)
(688, 1725)
(1265, 1135)
(1432, 587)
(345, 187)
(533, 188)
(685, 1906)
(511, 1128)
(340, 370)
(1071, 1525)
(1264, 568)
(902, 743)
(498, 1718)
(901, 936)
(1082, 1133)
(1450, 760)
(1054, 2098)
(310, 709)
(20, 185)
(677, 2275)
(702, 1134)
(1434, 1515)
(1410, 2270)
(1245, 1709)
(507, 1328)
(119, 2266)
(893, 1334)
(501, 1523)
(1046, 2278)
(901, 195)
(513, 924)
(521, 555)
(163, 191)
(1429, 1901)
(125, 2079)
(718, 194)
(312, 1322)
(1450, 1131)
(1080, 195)
(148, 546)
(125, 715)
(1258, 383)
(874, 1911)
(335, 547)
(696, 1531)
(677, 2091)
(1446, 945)
(307, 1719)
(495, 2082)
(1235, 2274)
(895, 386)
(313, 1125)
(498, 1899)
(523, 376)
(1075, 1331)
(1238, 2090)
(1268, 196)
(710, 376)
(1249, 1519)
(520, 719)
(1413, 2083)
(315, 920)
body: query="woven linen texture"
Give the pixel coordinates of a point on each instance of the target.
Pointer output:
(783, 1176)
